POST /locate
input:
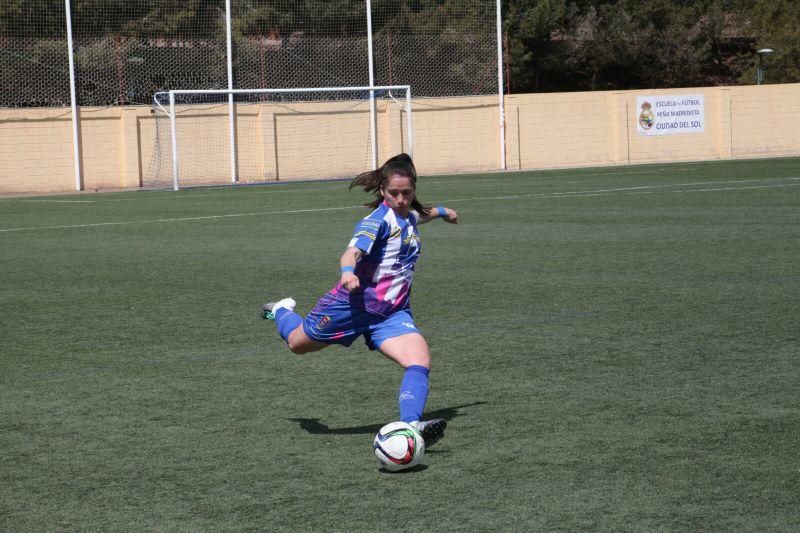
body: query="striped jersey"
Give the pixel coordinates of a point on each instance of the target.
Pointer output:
(391, 246)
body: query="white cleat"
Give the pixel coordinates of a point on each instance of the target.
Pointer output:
(268, 310)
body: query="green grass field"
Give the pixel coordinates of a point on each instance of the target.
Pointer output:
(615, 349)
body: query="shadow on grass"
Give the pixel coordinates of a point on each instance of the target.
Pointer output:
(315, 427)
(418, 468)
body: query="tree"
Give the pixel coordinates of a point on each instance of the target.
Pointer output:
(600, 44)
(533, 53)
(776, 25)
(33, 18)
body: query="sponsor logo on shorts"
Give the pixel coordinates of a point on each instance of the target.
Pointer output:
(409, 325)
(323, 322)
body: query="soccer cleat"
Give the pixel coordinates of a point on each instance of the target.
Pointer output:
(431, 430)
(268, 309)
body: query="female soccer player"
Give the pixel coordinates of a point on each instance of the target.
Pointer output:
(372, 296)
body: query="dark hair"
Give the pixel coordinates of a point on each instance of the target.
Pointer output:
(371, 181)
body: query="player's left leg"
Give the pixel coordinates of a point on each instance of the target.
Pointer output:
(411, 351)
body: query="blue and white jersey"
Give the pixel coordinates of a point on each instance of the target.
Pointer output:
(391, 246)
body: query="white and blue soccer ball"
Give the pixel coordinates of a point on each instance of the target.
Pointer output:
(398, 446)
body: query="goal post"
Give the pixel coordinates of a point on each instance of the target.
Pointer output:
(276, 134)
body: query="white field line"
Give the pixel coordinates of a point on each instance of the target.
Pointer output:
(629, 190)
(172, 196)
(61, 201)
(740, 188)
(566, 194)
(276, 188)
(270, 188)
(512, 177)
(184, 219)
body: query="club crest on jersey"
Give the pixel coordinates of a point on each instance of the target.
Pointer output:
(411, 238)
(395, 231)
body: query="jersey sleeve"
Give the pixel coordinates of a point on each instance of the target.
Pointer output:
(367, 231)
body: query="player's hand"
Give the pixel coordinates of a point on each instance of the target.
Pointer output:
(350, 281)
(450, 216)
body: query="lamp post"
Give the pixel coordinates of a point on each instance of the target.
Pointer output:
(760, 69)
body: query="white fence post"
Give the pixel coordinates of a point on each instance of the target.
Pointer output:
(373, 126)
(76, 137)
(409, 123)
(231, 104)
(500, 86)
(173, 126)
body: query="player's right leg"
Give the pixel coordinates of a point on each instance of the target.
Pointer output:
(290, 326)
(301, 343)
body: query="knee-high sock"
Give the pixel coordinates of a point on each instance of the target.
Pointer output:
(413, 393)
(287, 321)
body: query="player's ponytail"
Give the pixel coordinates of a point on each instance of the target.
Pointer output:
(371, 181)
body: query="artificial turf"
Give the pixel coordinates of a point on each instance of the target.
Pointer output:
(614, 349)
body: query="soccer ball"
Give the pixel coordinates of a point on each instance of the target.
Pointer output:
(398, 446)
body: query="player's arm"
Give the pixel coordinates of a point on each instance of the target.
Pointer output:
(347, 265)
(445, 213)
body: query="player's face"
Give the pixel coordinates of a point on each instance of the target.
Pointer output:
(398, 193)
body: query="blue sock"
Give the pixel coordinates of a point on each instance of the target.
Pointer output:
(413, 393)
(287, 321)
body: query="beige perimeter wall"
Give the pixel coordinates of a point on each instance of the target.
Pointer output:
(543, 131)
(600, 128)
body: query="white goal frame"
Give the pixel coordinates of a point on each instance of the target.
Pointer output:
(232, 92)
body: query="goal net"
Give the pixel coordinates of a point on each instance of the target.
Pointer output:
(223, 137)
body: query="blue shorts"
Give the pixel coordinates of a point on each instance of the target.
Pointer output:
(335, 322)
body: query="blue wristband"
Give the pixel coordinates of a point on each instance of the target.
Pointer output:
(348, 269)
(441, 210)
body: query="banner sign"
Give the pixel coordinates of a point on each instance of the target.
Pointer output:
(668, 115)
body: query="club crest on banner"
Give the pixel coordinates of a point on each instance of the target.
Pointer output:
(646, 117)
